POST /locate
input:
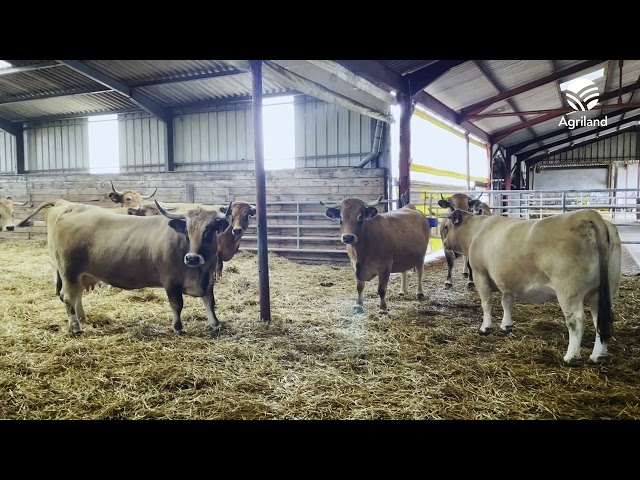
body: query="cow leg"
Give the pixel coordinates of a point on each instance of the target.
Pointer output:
(573, 309)
(403, 283)
(217, 273)
(383, 281)
(507, 322)
(470, 283)
(71, 295)
(359, 306)
(465, 269)
(448, 254)
(420, 272)
(175, 301)
(484, 292)
(599, 349)
(209, 303)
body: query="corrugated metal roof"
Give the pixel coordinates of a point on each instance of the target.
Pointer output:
(209, 89)
(76, 105)
(467, 87)
(133, 71)
(34, 82)
(405, 67)
(513, 73)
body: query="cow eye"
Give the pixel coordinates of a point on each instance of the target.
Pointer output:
(209, 233)
(360, 218)
(128, 199)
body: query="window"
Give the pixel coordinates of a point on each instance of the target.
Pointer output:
(593, 76)
(103, 144)
(5, 64)
(278, 133)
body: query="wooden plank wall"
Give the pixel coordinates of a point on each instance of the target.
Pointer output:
(291, 185)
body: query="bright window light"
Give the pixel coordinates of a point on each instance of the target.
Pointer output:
(278, 133)
(103, 144)
(593, 76)
(5, 64)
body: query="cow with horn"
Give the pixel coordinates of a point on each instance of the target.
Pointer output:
(128, 198)
(381, 243)
(89, 244)
(7, 215)
(466, 203)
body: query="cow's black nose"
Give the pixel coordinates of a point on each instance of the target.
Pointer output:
(10, 228)
(191, 259)
(348, 238)
(237, 231)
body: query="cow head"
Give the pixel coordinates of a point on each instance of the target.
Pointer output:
(7, 222)
(352, 213)
(201, 227)
(128, 198)
(460, 201)
(238, 214)
(147, 210)
(458, 235)
(481, 208)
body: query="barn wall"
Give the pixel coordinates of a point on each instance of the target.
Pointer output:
(141, 141)
(328, 135)
(221, 139)
(62, 145)
(289, 192)
(570, 179)
(7, 153)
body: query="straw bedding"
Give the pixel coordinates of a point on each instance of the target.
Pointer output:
(314, 360)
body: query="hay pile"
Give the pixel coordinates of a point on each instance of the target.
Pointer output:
(313, 361)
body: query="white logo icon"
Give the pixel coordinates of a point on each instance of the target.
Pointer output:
(582, 94)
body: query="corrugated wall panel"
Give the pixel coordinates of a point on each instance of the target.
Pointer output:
(328, 135)
(7, 153)
(619, 148)
(216, 140)
(142, 140)
(62, 146)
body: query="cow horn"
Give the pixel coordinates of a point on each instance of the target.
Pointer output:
(478, 197)
(19, 204)
(441, 197)
(149, 196)
(330, 205)
(376, 202)
(172, 216)
(227, 214)
(114, 188)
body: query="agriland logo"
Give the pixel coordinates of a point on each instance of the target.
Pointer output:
(582, 95)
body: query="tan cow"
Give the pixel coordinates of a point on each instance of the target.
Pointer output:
(466, 203)
(7, 217)
(90, 244)
(381, 243)
(571, 257)
(229, 240)
(128, 198)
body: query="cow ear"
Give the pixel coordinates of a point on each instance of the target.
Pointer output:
(223, 209)
(444, 203)
(115, 197)
(333, 213)
(370, 212)
(179, 226)
(473, 203)
(456, 217)
(221, 225)
(252, 211)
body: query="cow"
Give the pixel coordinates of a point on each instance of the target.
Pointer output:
(569, 257)
(7, 216)
(229, 240)
(466, 203)
(177, 252)
(381, 244)
(128, 198)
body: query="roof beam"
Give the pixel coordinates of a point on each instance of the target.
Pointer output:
(482, 105)
(586, 133)
(40, 96)
(14, 128)
(377, 73)
(30, 68)
(143, 101)
(421, 79)
(534, 160)
(195, 76)
(436, 106)
(505, 132)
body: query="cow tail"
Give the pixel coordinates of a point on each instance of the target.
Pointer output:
(605, 304)
(25, 222)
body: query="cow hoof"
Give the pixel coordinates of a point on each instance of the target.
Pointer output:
(506, 330)
(465, 274)
(447, 284)
(488, 331)
(179, 332)
(597, 361)
(574, 362)
(471, 285)
(76, 332)
(383, 312)
(215, 330)
(420, 296)
(358, 309)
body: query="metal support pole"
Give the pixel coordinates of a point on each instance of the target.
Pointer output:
(406, 111)
(466, 139)
(20, 158)
(261, 194)
(170, 164)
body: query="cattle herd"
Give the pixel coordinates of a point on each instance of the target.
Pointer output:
(571, 257)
